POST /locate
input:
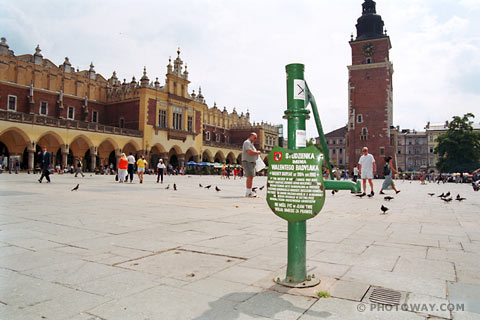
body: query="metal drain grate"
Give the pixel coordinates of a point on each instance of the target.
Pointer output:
(384, 296)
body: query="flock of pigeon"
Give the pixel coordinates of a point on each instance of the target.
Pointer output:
(444, 196)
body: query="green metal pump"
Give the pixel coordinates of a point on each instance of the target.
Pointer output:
(296, 189)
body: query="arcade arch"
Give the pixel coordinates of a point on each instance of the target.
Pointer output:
(219, 157)
(207, 156)
(230, 158)
(191, 155)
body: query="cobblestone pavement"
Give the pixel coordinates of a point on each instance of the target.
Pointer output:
(141, 251)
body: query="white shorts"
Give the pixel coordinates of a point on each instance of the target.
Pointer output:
(141, 169)
(367, 174)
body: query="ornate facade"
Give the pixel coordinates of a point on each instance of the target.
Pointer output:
(82, 114)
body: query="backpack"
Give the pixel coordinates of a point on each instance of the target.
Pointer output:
(386, 169)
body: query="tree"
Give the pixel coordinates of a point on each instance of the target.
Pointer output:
(459, 147)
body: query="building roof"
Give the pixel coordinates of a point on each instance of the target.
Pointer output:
(340, 132)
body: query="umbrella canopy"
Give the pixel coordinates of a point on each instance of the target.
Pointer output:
(205, 164)
(191, 163)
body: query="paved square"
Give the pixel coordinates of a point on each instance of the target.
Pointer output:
(141, 251)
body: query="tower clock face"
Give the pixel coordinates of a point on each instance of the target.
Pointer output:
(368, 49)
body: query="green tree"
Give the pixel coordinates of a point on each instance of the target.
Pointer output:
(311, 142)
(459, 147)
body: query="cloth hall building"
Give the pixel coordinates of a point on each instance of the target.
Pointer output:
(83, 114)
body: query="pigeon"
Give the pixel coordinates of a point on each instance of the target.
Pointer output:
(200, 185)
(458, 196)
(174, 187)
(168, 187)
(261, 188)
(76, 188)
(217, 189)
(475, 186)
(208, 187)
(384, 209)
(460, 199)
(441, 196)
(388, 198)
(254, 189)
(360, 195)
(447, 194)
(431, 194)
(447, 199)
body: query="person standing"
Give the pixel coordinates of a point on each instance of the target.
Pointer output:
(249, 158)
(141, 164)
(160, 170)
(131, 165)
(388, 171)
(45, 160)
(355, 173)
(366, 169)
(79, 167)
(122, 168)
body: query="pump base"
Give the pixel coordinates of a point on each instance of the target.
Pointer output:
(311, 281)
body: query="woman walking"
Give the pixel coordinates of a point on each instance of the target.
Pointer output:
(122, 168)
(141, 164)
(388, 171)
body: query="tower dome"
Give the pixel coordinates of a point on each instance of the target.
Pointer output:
(370, 24)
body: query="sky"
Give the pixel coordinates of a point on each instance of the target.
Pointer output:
(237, 50)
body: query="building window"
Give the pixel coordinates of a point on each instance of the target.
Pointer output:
(207, 136)
(122, 123)
(95, 116)
(43, 108)
(382, 151)
(364, 134)
(431, 138)
(333, 151)
(359, 118)
(341, 161)
(369, 60)
(190, 124)
(431, 149)
(12, 103)
(340, 151)
(177, 118)
(162, 118)
(71, 113)
(217, 138)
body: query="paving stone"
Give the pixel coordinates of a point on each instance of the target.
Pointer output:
(443, 270)
(465, 294)
(428, 305)
(349, 290)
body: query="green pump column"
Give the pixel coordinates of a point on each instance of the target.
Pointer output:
(296, 114)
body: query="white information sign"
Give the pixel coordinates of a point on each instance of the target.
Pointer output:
(298, 89)
(301, 138)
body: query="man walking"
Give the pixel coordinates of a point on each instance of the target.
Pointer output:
(366, 169)
(79, 167)
(45, 160)
(160, 169)
(249, 157)
(131, 164)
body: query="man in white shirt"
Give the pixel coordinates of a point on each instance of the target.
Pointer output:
(131, 164)
(366, 168)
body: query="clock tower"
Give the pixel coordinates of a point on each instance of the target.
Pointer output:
(370, 104)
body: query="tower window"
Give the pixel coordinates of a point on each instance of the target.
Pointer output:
(382, 151)
(122, 123)
(207, 136)
(369, 60)
(360, 119)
